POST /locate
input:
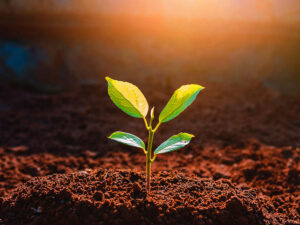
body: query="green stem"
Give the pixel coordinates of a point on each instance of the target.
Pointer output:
(146, 124)
(157, 126)
(153, 159)
(148, 160)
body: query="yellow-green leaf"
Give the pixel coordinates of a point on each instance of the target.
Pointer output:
(174, 143)
(181, 99)
(128, 98)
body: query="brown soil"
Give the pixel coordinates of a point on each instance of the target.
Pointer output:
(119, 197)
(247, 141)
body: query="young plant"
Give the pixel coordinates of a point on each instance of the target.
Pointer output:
(132, 101)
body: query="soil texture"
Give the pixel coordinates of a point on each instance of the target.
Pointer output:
(119, 197)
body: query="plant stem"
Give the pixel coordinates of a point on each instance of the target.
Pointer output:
(146, 124)
(148, 160)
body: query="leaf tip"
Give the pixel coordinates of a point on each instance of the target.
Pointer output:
(199, 87)
(108, 79)
(110, 136)
(186, 135)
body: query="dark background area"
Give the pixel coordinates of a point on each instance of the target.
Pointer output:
(52, 45)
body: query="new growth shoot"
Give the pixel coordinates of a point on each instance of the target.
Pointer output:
(132, 101)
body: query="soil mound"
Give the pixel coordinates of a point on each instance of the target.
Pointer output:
(118, 197)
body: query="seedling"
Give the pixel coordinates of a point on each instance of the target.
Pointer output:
(132, 101)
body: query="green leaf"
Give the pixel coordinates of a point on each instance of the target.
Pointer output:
(175, 142)
(128, 98)
(181, 99)
(127, 139)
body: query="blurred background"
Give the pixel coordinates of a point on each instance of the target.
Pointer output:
(52, 45)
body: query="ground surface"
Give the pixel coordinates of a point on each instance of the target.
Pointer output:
(119, 197)
(247, 139)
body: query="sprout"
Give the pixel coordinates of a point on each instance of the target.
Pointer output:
(132, 101)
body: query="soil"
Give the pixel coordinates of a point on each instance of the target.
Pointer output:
(119, 197)
(242, 168)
